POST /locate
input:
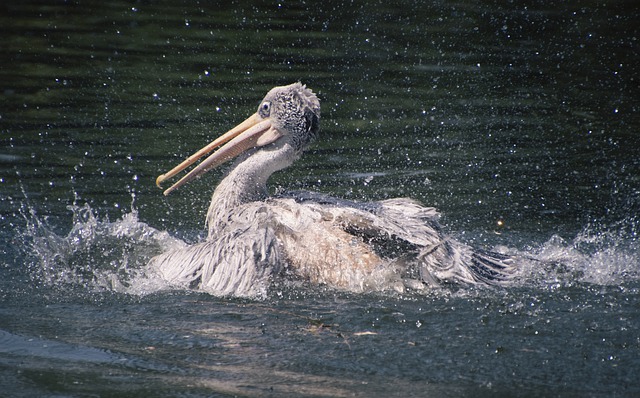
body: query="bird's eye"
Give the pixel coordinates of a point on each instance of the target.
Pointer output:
(265, 109)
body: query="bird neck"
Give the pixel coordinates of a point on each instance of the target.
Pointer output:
(245, 182)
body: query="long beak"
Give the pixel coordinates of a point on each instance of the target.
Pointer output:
(253, 132)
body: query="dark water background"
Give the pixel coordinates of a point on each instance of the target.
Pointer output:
(518, 120)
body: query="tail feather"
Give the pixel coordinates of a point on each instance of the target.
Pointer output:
(491, 268)
(453, 262)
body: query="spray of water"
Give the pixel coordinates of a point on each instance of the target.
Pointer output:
(96, 254)
(102, 255)
(598, 255)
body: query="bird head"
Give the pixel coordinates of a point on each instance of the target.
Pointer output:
(288, 114)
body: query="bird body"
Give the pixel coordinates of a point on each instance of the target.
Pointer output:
(252, 238)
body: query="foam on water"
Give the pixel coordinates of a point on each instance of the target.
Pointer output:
(102, 255)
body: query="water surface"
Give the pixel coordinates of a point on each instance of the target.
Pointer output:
(518, 121)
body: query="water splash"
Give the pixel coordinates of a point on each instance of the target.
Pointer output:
(99, 255)
(599, 254)
(96, 253)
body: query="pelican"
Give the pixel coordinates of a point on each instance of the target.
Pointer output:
(394, 244)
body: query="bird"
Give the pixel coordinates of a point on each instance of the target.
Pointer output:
(255, 239)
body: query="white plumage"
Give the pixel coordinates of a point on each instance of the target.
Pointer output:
(391, 244)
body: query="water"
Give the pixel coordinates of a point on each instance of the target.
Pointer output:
(518, 121)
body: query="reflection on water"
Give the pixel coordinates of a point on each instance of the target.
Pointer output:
(33, 347)
(518, 121)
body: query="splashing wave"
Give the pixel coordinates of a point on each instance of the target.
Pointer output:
(97, 254)
(101, 255)
(599, 255)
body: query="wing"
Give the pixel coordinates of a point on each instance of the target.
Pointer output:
(441, 258)
(319, 251)
(408, 237)
(238, 260)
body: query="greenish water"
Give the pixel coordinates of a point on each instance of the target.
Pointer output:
(522, 113)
